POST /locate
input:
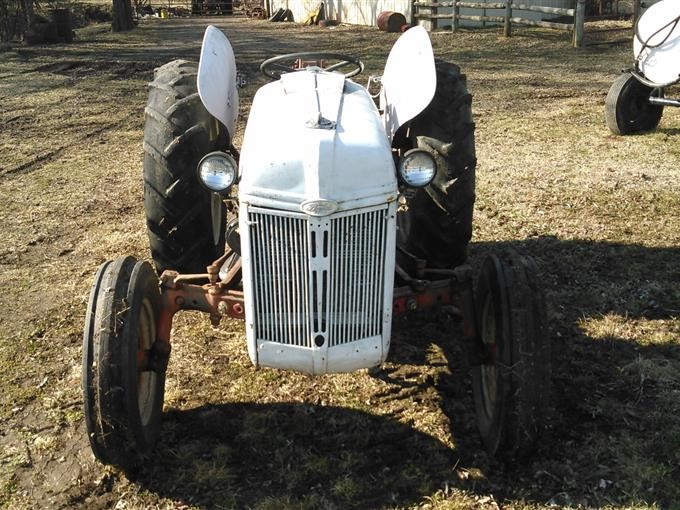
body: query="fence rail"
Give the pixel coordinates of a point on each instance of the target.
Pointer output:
(576, 26)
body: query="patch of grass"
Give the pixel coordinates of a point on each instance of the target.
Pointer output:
(11, 459)
(348, 488)
(8, 489)
(660, 332)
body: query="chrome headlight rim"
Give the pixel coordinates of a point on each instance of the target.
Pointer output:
(425, 178)
(229, 175)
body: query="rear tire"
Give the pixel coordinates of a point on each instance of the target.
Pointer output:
(511, 385)
(437, 226)
(123, 400)
(627, 108)
(180, 213)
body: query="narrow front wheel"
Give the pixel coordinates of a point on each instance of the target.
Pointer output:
(122, 386)
(511, 385)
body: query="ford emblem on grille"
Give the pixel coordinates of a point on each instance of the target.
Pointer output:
(319, 207)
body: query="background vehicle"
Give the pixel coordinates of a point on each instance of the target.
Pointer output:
(346, 214)
(636, 99)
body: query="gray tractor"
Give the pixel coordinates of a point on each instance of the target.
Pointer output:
(336, 215)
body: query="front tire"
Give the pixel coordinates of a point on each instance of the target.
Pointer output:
(511, 385)
(627, 107)
(123, 395)
(181, 215)
(437, 226)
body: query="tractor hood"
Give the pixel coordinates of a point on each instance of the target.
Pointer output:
(314, 137)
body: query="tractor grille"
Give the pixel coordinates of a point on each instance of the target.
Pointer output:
(318, 281)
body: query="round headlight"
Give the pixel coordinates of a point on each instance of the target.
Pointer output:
(417, 168)
(217, 171)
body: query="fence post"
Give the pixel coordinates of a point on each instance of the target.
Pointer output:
(507, 27)
(414, 20)
(456, 11)
(434, 20)
(579, 23)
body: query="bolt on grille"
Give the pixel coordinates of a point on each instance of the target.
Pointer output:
(318, 281)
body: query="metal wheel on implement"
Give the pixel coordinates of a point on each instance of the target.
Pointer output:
(511, 384)
(123, 365)
(627, 107)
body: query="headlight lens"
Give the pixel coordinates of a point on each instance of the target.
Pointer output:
(417, 168)
(217, 171)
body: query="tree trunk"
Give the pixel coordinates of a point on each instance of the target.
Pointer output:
(122, 16)
(28, 12)
(4, 22)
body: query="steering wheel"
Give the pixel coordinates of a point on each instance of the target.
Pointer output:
(274, 67)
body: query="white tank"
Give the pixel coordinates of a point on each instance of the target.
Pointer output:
(657, 42)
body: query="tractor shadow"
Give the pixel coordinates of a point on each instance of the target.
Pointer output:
(292, 455)
(668, 131)
(612, 435)
(614, 316)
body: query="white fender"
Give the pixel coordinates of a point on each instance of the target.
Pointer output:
(217, 78)
(660, 64)
(409, 79)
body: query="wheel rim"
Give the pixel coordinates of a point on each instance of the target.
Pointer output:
(146, 379)
(488, 368)
(640, 107)
(640, 113)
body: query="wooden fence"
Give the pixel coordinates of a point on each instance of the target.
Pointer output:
(508, 19)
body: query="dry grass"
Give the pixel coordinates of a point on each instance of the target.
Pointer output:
(600, 213)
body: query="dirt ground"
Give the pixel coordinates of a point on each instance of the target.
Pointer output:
(600, 213)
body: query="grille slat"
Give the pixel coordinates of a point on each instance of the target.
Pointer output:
(294, 240)
(350, 276)
(315, 277)
(278, 274)
(364, 265)
(336, 276)
(263, 284)
(304, 272)
(380, 259)
(371, 270)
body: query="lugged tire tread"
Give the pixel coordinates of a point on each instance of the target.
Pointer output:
(438, 225)
(176, 137)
